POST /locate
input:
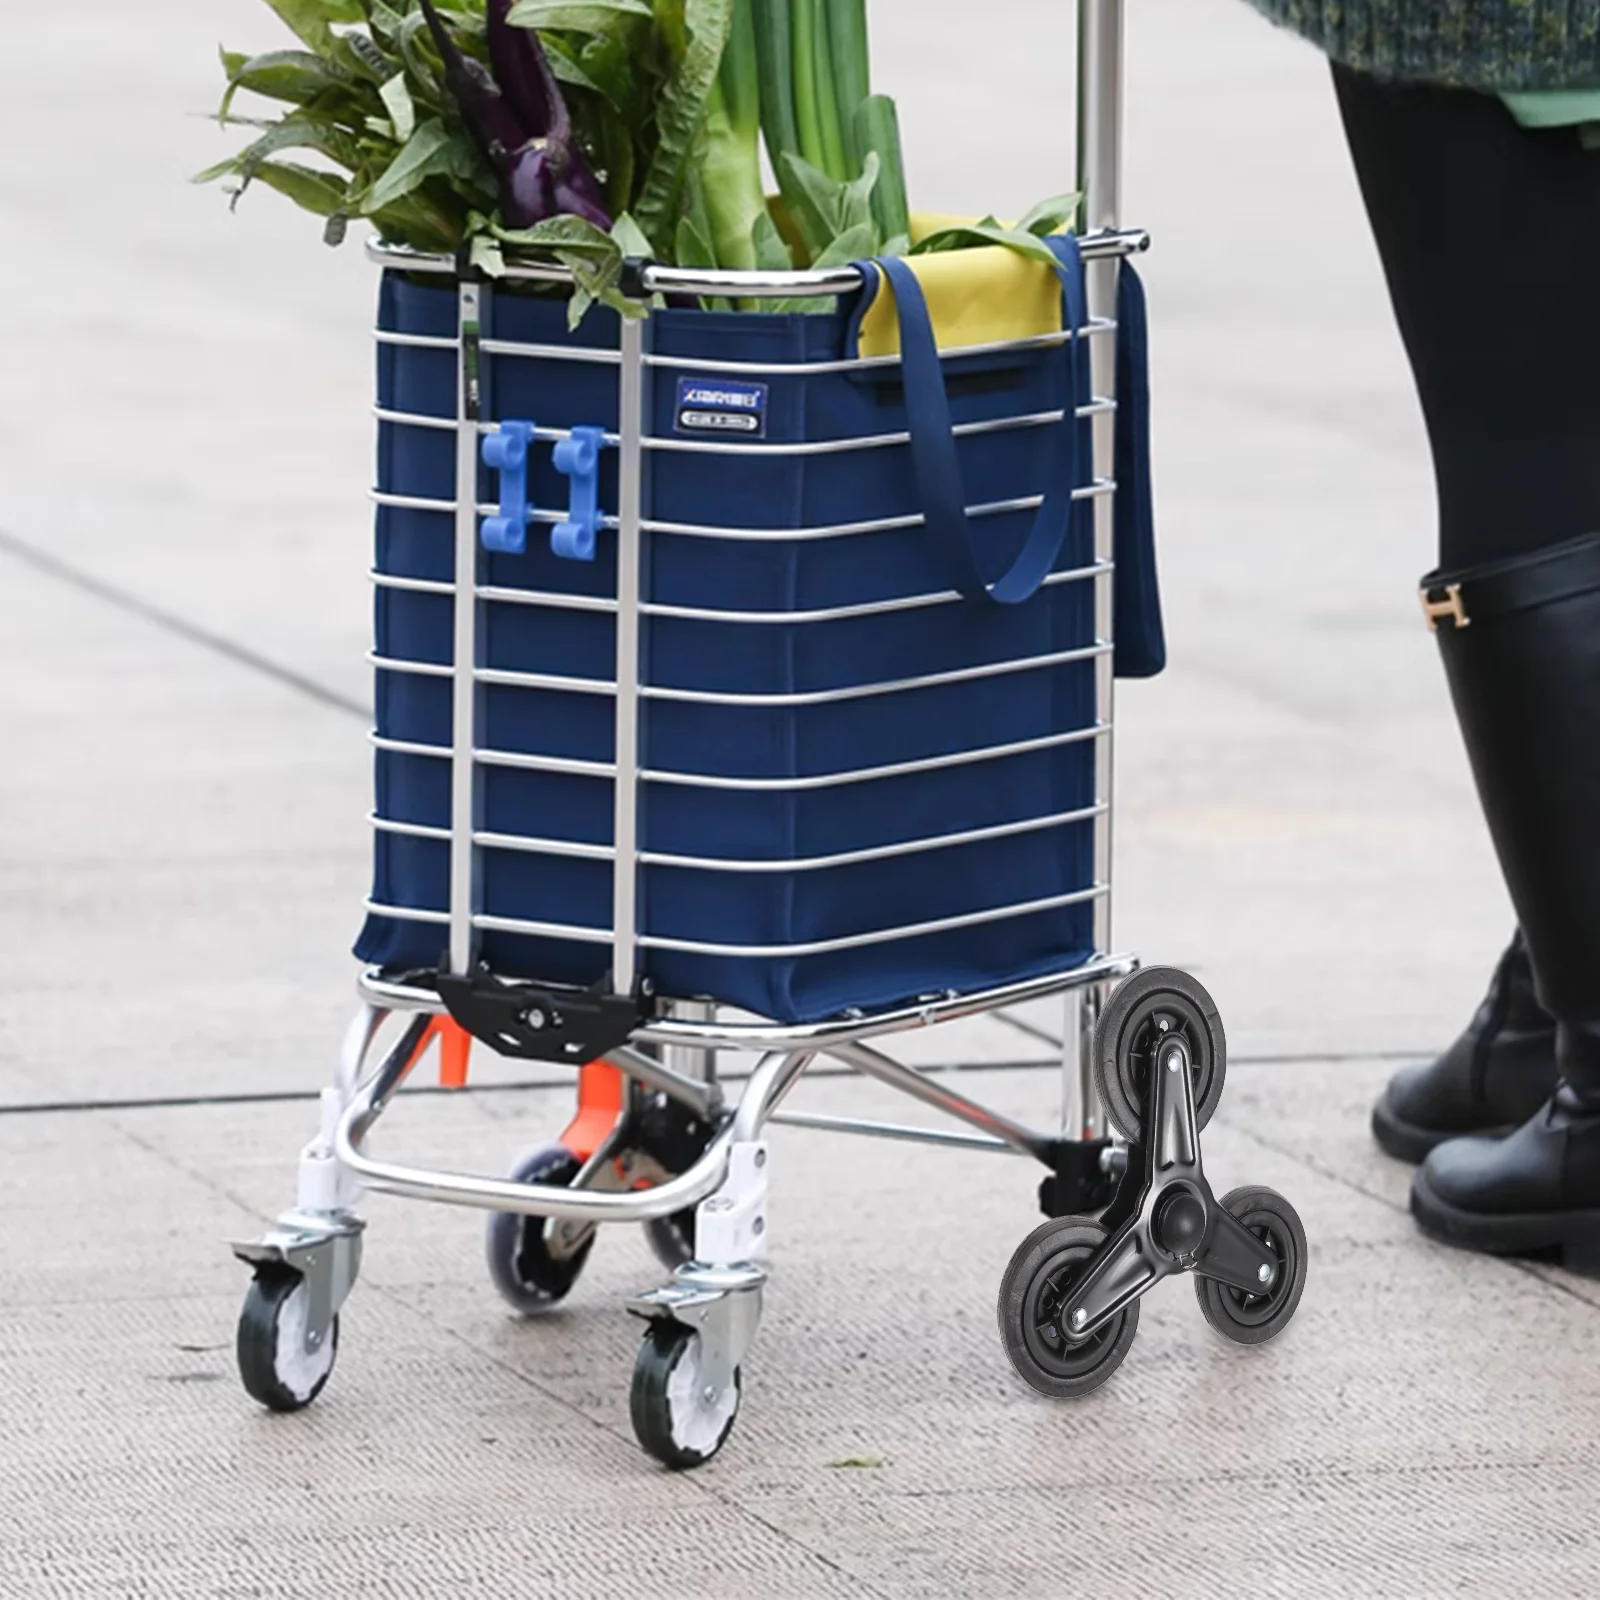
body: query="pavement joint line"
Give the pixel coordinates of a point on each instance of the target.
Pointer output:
(201, 1102)
(170, 622)
(194, 1175)
(430, 1092)
(1286, 1058)
(693, 1482)
(1302, 1471)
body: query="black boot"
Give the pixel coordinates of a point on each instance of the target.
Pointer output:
(1521, 646)
(1491, 1080)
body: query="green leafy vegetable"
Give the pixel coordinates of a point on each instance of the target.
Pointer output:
(589, 131)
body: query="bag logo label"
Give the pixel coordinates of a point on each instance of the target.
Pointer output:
(711, 405)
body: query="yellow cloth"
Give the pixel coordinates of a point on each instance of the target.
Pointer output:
(986, 295)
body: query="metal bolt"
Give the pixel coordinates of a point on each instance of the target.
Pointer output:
(1174, 1061)
(759, 1227)
(709, 1395)
(1163, 1025)
(761, 1158)
(1079, 1317)
(534, 1018)
(1265, 1274)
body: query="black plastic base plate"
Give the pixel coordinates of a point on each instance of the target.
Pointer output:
(536, 1022)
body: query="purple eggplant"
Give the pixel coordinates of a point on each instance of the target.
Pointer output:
(522, 71)
(521, 123)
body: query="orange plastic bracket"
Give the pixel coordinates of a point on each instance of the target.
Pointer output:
(455, 1051)
(600, 1101)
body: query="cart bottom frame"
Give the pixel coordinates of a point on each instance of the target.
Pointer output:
(1122, 1215)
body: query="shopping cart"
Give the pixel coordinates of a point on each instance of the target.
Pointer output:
(638, 1006)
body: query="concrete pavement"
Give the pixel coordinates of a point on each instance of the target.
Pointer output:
(184, 455)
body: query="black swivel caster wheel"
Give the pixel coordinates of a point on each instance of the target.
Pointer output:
(1255, 1318)
(274, 1365)
(678, 1417)
(530, 1275)
(1036, 1285)
(1146, 1010)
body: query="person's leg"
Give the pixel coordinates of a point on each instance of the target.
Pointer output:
(1490, 240)
(1490, 237)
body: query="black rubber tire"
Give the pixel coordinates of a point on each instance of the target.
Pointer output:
(671, 1239)
(678, 1441)
(1128, 1030)
(1041, 1268)
(1253, 1319)
(257, 1345)
(529, 1278)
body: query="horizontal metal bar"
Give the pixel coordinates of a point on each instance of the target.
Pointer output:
(390, 580)
(528, 844)
(1102, 245)
(415, 341)
(499, 595)
(415, 419)
(407, 830)
(532, 846)
(443, 508)
(897, 1131)
(701, 530)
(871, 691)
(867, 941)
(379, 908)
(407, 747)
(846, 530)
(572, 767)
(590, 355)
(581, 934)
(555, 683)
(543, 598)
(710, 1033)
(839, 447)
(767, 1086)
(411, 669)
(900, 769)
(877, 608)
(1095, 327)
(889, 852)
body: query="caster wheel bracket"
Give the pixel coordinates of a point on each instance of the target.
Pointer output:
(324, 1253)
(721, 1304)
(1235, 1256)
(1173, 1223)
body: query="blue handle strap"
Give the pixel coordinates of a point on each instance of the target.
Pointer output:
(933, 444)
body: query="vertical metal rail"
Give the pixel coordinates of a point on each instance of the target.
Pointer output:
(630, 516)
(464, 701)
(1100, 73)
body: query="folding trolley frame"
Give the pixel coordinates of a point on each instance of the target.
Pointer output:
(703, 1321)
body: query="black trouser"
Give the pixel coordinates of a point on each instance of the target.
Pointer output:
(1490, 238)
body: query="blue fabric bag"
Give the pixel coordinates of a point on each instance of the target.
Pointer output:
(789, 787)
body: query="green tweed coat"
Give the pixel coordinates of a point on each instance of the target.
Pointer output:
(1473, 44)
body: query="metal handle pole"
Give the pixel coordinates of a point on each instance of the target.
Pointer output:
(1100, 73)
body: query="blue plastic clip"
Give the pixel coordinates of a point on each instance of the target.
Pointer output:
(506, 452)
(579, 459)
